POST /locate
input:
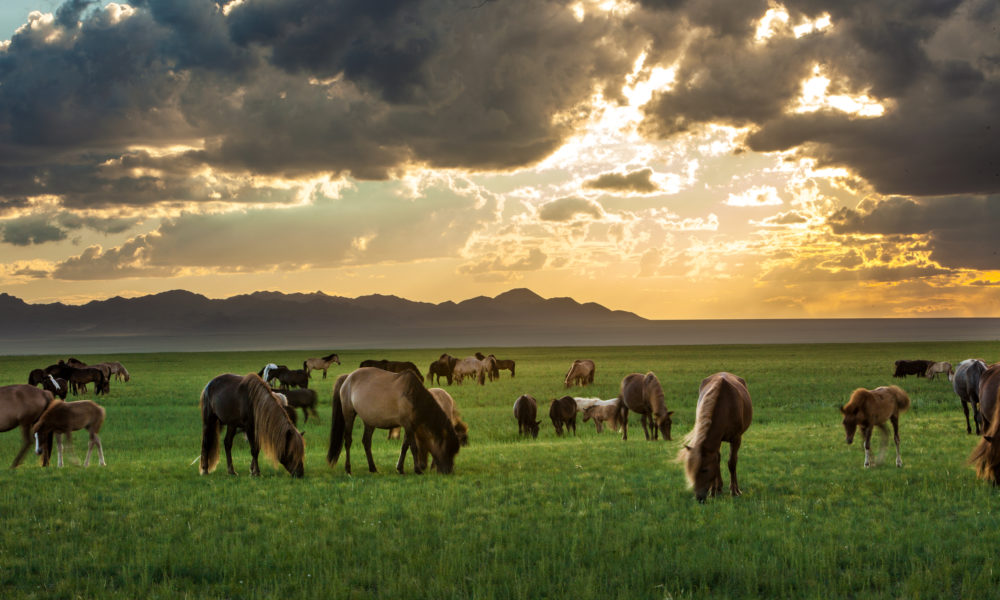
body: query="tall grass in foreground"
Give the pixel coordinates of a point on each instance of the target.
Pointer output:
(583, 517)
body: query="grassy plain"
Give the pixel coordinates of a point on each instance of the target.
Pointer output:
(579, 517)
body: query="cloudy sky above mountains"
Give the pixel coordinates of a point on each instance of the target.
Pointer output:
(675, 158)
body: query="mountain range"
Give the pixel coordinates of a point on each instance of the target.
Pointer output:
(179, 320)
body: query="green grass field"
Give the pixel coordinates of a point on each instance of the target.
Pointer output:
(579, 517)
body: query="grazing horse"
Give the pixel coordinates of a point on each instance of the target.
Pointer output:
(20, 406)
(723, 414)
(270, 371)
(989, 393)
(525, 411)
(912, 367)
(79, 377)
(868, 409)
(604, 411)
(385, 400)
(323, 363)
(305, 399)
(469, 366)
(644, 395)
(490, 367)
(58, 387)
(62, 419)
(562, 411)
(581, 372)
(447, 404)
(119, 371)
(248, 404)
(443, 366)
(937, 368)
(36, 376)
(966, 385)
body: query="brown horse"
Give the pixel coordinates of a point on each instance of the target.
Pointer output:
(443, 366)
(525, 411)
(604, 412)
(248, 404)
(868, 409)
(723, 414)
(385, 400)
(644, 395)
(62, 419)
(989, 393)
(505, 364)
(581, 372)
(305, 399)
(315, 364)
(562, 411)
(20, 406)
(447, 404)
(986, 455)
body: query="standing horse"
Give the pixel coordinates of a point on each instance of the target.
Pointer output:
(581, 372)
(20, 406)
(723, 414)
(324, 363)
(604, 411)
(562, 411)
(868, 409)
(644, 395)
(966, 385)
(247, 404)
(937, 368)
(443, 366)
(304, 399)
(986, 455)
(469, 366)
(525, 411)
(62, 419)
(447, 404)
(385, 400)
(505, 364)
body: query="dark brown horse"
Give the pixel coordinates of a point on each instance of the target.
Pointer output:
(385, 400)
(644, 395)
(20, 406)
(986, 455)
(61, 419)
(868, 409)
(525, 411)
(79, 377)
(723, 414)
(562, 411)
(248, 404)
(505, 364)
(304, 399)
(444, 366)
(989, 394)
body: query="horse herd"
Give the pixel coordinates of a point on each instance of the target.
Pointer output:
(391, 395)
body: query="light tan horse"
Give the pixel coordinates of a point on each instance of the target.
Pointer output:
(581, 372)
(315, 364)
(62, 419)
(868, 409)
(470, 366)
(385, 400)
(604, 413)
(938, 368)
(20, 406)
(723, 414)
(644, 395)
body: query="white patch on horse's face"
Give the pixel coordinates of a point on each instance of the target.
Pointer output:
(54, 382)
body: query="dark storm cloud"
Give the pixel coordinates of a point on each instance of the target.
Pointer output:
(635, 181)
(31, 230)
(292, 88)
(960, 231)
(935, 64)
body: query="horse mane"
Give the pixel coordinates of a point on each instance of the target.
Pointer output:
(271, 422)
(45, 413)
(986, 454)
(857, 401)
(654, 392)
(330, 356)
(428, 411)
(707, 400)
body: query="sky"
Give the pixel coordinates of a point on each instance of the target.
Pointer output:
(680, 159)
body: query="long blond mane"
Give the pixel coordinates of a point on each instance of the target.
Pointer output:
(707, 400)
(271, 422)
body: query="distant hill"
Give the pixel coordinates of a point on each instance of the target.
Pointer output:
(179, 320)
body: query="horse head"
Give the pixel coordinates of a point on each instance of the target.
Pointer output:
(293, 456)
(850, 421)
(663, 423)
(703, 470)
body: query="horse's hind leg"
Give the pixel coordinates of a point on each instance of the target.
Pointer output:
(895, 436)
(867, 431)
(228, 443)
(366, 441)
(975, 416)
(734, 448)
(968, 426)
(59, 449)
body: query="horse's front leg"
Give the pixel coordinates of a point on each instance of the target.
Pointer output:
(25, 443)
(624, 414)
(366, 441)
(867, 432)
(975, 416)
(401, 463)
(734, 448)
(59, 449)
(228, 443)
(895, 436)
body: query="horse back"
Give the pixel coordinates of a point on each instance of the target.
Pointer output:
(989, 389)
(378, 397)
(221, 398)
(733, 408)
(633, 394)
(21, 404)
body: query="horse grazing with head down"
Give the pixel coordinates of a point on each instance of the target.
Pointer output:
(315, 364)
(442, 367)
(248, 404)
(868, 409)
(966, 385)
(938, 368)
(385, 400)
(723, 414)
(644, 395)
(581, 372)
(604, 412)
(525, 411)
(61, 419)
(20, 406)
(562, 411)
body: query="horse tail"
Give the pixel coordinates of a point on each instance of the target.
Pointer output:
(337, 425)
(983, 456)
(902, 400)
(209, 434)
